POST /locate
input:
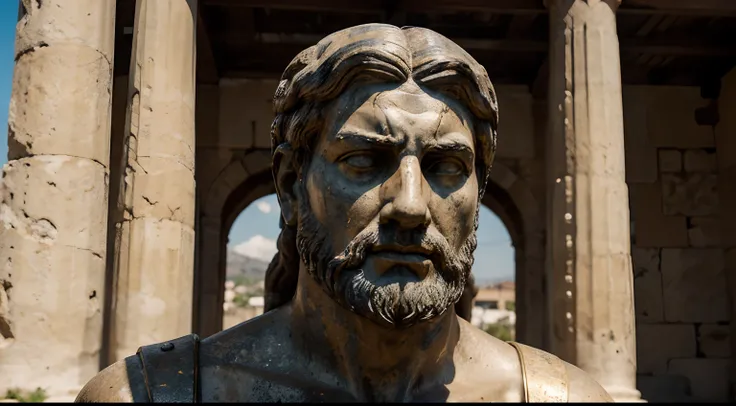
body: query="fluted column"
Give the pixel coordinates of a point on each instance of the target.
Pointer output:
(155, 252)
(590, 273)
(54, 199)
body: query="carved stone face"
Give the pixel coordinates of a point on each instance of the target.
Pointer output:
(388, 202)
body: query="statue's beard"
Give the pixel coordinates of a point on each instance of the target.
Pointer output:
(393, 304)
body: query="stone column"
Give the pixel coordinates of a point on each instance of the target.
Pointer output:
(54, 200)
(209, 305)
(154, 267)
(590, 273)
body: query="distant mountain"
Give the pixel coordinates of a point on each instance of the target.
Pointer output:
(239, 265)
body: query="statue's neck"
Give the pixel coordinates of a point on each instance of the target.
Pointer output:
(376, 363)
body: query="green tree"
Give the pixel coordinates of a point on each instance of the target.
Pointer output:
(499, 330)
(37, 396)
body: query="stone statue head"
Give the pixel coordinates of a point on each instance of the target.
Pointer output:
(382, 144)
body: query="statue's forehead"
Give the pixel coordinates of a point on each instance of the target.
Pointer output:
(392, 105)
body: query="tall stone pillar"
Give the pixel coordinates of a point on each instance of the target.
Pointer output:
(590, 273)
(155, 248)
(53, 213)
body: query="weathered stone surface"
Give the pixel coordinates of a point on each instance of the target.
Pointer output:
(586, 110)
(57, 22)
(44, 81)
(704, 232)
(163, 190)
(694, 194)
(52, 239)
(155, 261)
(708, 377)
(31, 183)
(54, 203)
(714, 340)
(154, 298)
(652, 228)
(694, 284)
(647, 284)
(659, 343)
(700, 160)
(670, 160)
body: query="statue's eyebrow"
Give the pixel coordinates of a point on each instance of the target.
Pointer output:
(452, 147)
(359, 137)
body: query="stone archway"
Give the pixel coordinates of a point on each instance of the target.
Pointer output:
(241, 182)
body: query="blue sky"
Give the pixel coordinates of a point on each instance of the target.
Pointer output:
(257, 226)
(8, 18)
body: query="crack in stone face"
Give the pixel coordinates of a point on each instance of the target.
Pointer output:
(29, 50)
(148, 200)
(6, 332)
(41, 230)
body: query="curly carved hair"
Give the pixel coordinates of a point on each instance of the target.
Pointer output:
(372, 53)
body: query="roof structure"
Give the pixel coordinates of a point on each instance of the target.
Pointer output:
(663, 42)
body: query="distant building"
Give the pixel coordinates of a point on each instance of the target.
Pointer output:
(495, 304)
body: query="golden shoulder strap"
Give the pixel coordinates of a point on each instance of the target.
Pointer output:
(544, 375)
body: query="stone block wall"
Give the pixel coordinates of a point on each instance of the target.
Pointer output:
(680, 282)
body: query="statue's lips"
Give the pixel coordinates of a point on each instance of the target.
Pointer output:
(417, 260)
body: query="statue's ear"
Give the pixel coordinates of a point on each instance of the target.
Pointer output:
(285, 176)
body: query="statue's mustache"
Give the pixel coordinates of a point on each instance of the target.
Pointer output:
(375, 238)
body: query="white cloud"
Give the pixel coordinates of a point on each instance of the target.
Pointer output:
(264, 207)
(258, 247)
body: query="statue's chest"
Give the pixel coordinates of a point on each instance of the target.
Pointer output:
(264, 386)
(260, 386)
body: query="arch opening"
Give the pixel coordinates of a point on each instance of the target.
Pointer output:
(251, 246)
(509, 209)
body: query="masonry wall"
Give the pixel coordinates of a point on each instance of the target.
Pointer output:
(682, 303)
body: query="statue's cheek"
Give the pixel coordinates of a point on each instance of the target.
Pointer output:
(316, 193)
(364, 210)
(454, 215)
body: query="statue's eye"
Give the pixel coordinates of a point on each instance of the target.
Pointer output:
(360, 161)
(447, 167)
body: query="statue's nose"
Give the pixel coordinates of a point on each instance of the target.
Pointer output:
(407, 196)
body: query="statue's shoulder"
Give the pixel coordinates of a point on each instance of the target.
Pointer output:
(121, 382)
(164, 372)
(550, 379)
